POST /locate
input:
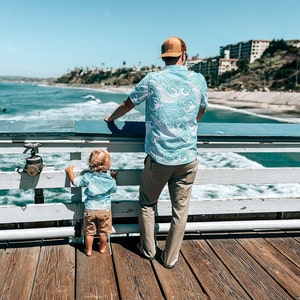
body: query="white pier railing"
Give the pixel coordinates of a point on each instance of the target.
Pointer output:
(63, 219)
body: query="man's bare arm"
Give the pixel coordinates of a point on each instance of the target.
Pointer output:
(201, 113)
(121, 110)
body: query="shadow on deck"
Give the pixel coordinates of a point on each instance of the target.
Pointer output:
(211, 266)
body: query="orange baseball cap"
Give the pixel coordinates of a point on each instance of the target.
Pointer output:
(173, 47)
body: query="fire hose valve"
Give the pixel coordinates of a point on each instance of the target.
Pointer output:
(34, 163)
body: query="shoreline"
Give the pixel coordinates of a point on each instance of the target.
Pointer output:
(283, 106)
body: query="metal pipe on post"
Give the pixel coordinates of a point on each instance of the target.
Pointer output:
(217, 226)
(34, 166)
(221, 226)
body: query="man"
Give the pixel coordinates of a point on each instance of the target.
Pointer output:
(176, 99)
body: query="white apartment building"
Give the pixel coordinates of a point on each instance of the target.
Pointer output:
(258, 47)
(294, 43)
(227, 64)
(251, 50)
(191, 61)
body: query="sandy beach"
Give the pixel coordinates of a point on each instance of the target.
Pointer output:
(281, 105)
(284, 106)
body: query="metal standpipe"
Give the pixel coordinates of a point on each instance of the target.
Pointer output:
(222, 226)
(218, 226)
(33, 167)
(36, 233)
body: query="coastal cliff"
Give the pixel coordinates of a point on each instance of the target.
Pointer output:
(276, 70)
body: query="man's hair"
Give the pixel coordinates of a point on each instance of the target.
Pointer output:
(170, 60)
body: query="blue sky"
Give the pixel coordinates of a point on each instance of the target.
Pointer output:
(48, 38)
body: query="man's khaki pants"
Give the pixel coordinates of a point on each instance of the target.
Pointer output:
(180, 180)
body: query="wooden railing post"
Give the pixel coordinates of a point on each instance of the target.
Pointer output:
(76, 193)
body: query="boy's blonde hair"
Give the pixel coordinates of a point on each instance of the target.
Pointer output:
(99, 160)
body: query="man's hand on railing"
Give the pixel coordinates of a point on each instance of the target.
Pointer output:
(106, 119)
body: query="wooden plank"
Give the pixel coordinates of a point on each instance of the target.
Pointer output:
(241, 147)
(135, 276)
(247, 176)
(288, 246)
(83, 145)
(55, 274)
(205, 130)
(246, 270)
(238, 205)
(129, 208)
(179, 282)
(40, 212)
(117, 129)
(16, 128)
(58, 179)
(213, 276)
(72, 146)
(18, 269)
(249, 129)
(95, 278)
(277, 265)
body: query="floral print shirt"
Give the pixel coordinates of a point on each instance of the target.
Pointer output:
(173, 98)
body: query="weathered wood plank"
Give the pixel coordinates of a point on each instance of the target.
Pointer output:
(135, 276)
(288, 246)
(40, 212)
(134, 130)
(18, 269)
(73, 146)
(246, 270)
(58, 179)
(276, 265)
(215, 264)
(82, 145)
(55, 274)
(95, 278)
(248, 147)
(179, 282)
(213, 276)
(125, 209)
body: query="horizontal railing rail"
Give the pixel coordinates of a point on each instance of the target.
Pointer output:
(88, 135)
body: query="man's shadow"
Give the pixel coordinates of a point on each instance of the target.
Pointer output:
(127, 128)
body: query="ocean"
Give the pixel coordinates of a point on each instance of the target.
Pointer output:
(42, 106)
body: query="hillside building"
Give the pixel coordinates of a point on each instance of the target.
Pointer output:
(294, 43)
(251, 50)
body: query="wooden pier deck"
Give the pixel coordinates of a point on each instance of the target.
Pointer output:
(211, 266)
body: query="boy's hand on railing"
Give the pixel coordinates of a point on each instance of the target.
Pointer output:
(113, 174)
(70, 171)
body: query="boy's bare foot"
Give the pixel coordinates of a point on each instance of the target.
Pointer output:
(87, 253)
(102, 248)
